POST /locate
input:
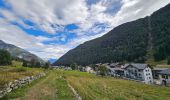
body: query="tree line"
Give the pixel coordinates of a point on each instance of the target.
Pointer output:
(6, 59)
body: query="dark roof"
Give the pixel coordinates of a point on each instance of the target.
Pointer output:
(138, 66)
(165, 72)
(114, 64)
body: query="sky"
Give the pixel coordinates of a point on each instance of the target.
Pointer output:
(50, 28)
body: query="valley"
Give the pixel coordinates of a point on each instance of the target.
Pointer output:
(85, 50)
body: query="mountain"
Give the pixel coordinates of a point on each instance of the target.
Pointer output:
(17, 52)
(136, 41)
(52, 60)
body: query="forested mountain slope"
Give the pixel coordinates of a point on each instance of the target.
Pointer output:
(19, 53)
(129, 42)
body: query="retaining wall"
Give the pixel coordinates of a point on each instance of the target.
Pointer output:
(19, 83)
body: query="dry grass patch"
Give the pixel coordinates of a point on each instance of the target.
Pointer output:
(16, 71)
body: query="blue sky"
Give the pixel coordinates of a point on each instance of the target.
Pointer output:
(50, 28)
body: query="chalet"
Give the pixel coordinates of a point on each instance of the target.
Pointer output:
(115, 69)
(164, 77)
(139, 72)
(155, 72)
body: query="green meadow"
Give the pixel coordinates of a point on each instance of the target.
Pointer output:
(54, 86)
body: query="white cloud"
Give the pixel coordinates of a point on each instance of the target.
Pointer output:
(14, 35)
(52, 15)
(48, 14)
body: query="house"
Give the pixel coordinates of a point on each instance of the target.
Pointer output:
(164, 77)
(115, 69)
(139, 72)
(155, 72)
(89, 70)
(67, 68)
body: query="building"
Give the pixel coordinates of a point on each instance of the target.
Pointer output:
(89, 70)
(155, 72)
(164, 77)
(115, 69)
(140, 72)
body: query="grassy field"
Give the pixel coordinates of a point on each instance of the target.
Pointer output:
(154, 63)
(162, 66)
(90, 87)
(16, 71)
(51, 87)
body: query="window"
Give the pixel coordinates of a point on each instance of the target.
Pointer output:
(165, 76)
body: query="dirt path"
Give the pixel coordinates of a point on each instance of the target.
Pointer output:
(51, 88)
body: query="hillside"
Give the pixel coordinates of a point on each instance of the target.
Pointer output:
(17, 52)
(136, 41)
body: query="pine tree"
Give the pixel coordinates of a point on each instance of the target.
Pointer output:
(103, 70)
(25, 64)
(169, 60)
(47, 65)
(5, 57)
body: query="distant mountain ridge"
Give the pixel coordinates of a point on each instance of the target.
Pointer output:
(20, 53)
(135, 41)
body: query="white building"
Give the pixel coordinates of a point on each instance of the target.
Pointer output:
(164, 77)
(89, 70)
(140, 72)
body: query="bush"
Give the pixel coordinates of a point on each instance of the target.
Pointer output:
(74, 66)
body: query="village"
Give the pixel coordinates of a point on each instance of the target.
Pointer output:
(138, 72)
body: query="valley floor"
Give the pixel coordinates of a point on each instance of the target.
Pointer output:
(90, 87)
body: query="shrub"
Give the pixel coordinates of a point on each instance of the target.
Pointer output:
(74, 66)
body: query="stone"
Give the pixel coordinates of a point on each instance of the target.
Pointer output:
(9, 84)
(1, 92)
(8, 89)
(15, 87)
(18, 83)
(12, 85)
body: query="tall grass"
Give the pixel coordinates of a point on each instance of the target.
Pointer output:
(16, 71)
(92, 87)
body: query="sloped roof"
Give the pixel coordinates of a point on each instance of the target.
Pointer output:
(115, 69)
(138, 66)
(160, 69)
(166, 72)
(114, 64)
